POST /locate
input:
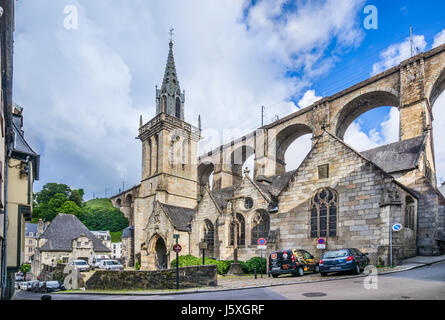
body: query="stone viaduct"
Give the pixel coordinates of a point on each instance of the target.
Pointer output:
(413, 87)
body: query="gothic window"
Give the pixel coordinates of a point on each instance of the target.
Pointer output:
(240, 228)
(409, 213)
(178, 108)
(149, 157)
(209, 235)
(323, 213)
(248, 203)
(261, 226)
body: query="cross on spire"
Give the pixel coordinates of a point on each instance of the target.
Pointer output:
(171, 34)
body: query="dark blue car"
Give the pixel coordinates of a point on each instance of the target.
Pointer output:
(350, 259)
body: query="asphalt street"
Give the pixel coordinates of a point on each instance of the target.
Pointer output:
(422, 283)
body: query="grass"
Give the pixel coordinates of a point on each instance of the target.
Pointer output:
(116, 236)
(102, 203)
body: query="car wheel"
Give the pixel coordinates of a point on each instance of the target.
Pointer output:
(300, 271)
(357, 269)
(323, 274)
(274, 275)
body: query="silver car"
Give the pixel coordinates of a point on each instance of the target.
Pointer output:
(110, 265)
(81, 265)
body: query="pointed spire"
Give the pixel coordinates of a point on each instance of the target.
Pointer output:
(170, 76)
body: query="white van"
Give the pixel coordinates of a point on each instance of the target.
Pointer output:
(95, 260)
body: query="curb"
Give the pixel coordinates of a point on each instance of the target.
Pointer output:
(250, 287)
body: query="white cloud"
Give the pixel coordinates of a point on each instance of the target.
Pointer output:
(387, 132)
(439, 39)
(399, 52)
(308, 99)
(83, 90)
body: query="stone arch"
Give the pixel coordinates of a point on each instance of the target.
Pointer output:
(128, 199)
(205, 170)
(284, 139)
(119, 202)
(438, 88)
(260, 225)
(237, 159)
(361, 104)
(157, 253)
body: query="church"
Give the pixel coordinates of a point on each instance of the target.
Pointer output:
(351, 199)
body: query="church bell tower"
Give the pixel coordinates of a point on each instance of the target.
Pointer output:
(169, 146)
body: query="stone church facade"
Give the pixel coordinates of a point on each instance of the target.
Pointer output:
(349, 198)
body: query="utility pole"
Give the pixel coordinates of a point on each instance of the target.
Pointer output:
(411, 39)
(123, 185)
(262, 115)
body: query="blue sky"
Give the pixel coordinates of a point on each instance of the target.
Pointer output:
(84, 89)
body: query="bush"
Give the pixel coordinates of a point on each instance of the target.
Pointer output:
(189, 260)
(256, 263)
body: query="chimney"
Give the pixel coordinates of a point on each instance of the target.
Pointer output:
(40, 227)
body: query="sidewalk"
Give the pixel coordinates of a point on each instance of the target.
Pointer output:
(227, 283)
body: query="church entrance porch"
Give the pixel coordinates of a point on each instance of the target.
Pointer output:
(161, 254)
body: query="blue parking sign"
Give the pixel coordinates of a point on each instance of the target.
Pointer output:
(397, 227)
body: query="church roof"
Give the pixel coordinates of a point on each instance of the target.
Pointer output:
(222, 196)
(273, 185)
(128, 232)
(399, 156)
(179, 216)
(63, 230)
(170, 75)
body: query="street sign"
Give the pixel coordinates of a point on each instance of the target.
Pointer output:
(177, 248)
(262, 247)
(396, 227)
(203, 245)
(262, 241)
(321, 243)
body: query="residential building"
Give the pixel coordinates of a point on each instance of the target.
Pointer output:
(116, 250)
(104, 236)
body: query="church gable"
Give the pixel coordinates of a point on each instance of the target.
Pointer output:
(250, 189)
(208, 207)
(331, 163)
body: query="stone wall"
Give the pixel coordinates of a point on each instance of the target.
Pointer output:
(189, 277)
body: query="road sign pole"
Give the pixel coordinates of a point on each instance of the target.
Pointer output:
(261, 264)
(390, 246)
(203, 256)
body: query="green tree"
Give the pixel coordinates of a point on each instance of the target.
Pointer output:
(49, 190)
(77, 197)
(69, 207)
(25, 268)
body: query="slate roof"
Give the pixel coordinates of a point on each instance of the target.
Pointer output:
(128, 232)
(222, 196)
(20, 146)
(30, 227)
(442, 189)
(273, 185)
(399, 156)
(180, 217)
(63, 230)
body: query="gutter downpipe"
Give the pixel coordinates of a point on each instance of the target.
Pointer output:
(4, 279)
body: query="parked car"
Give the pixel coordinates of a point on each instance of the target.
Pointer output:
(285, 262)
(81, 265)
(95, 260)
(111, 265)
(311, 264)
(52, 286)
(349, 259)
(36, 287)
(19, 277)
(30, 284)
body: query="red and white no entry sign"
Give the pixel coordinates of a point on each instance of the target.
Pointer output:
(177, 248)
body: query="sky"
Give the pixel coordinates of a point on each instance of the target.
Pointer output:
(84, 72)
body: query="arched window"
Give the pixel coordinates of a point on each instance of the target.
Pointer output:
(240, 229)
(261, 226)
(409, 213)
(209, 235)
(178, 108)
(324, 206)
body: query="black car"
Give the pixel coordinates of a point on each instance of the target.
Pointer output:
(285, 262)
(349, 259)
(51, 286)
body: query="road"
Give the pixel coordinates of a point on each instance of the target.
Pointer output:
(422, 283)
